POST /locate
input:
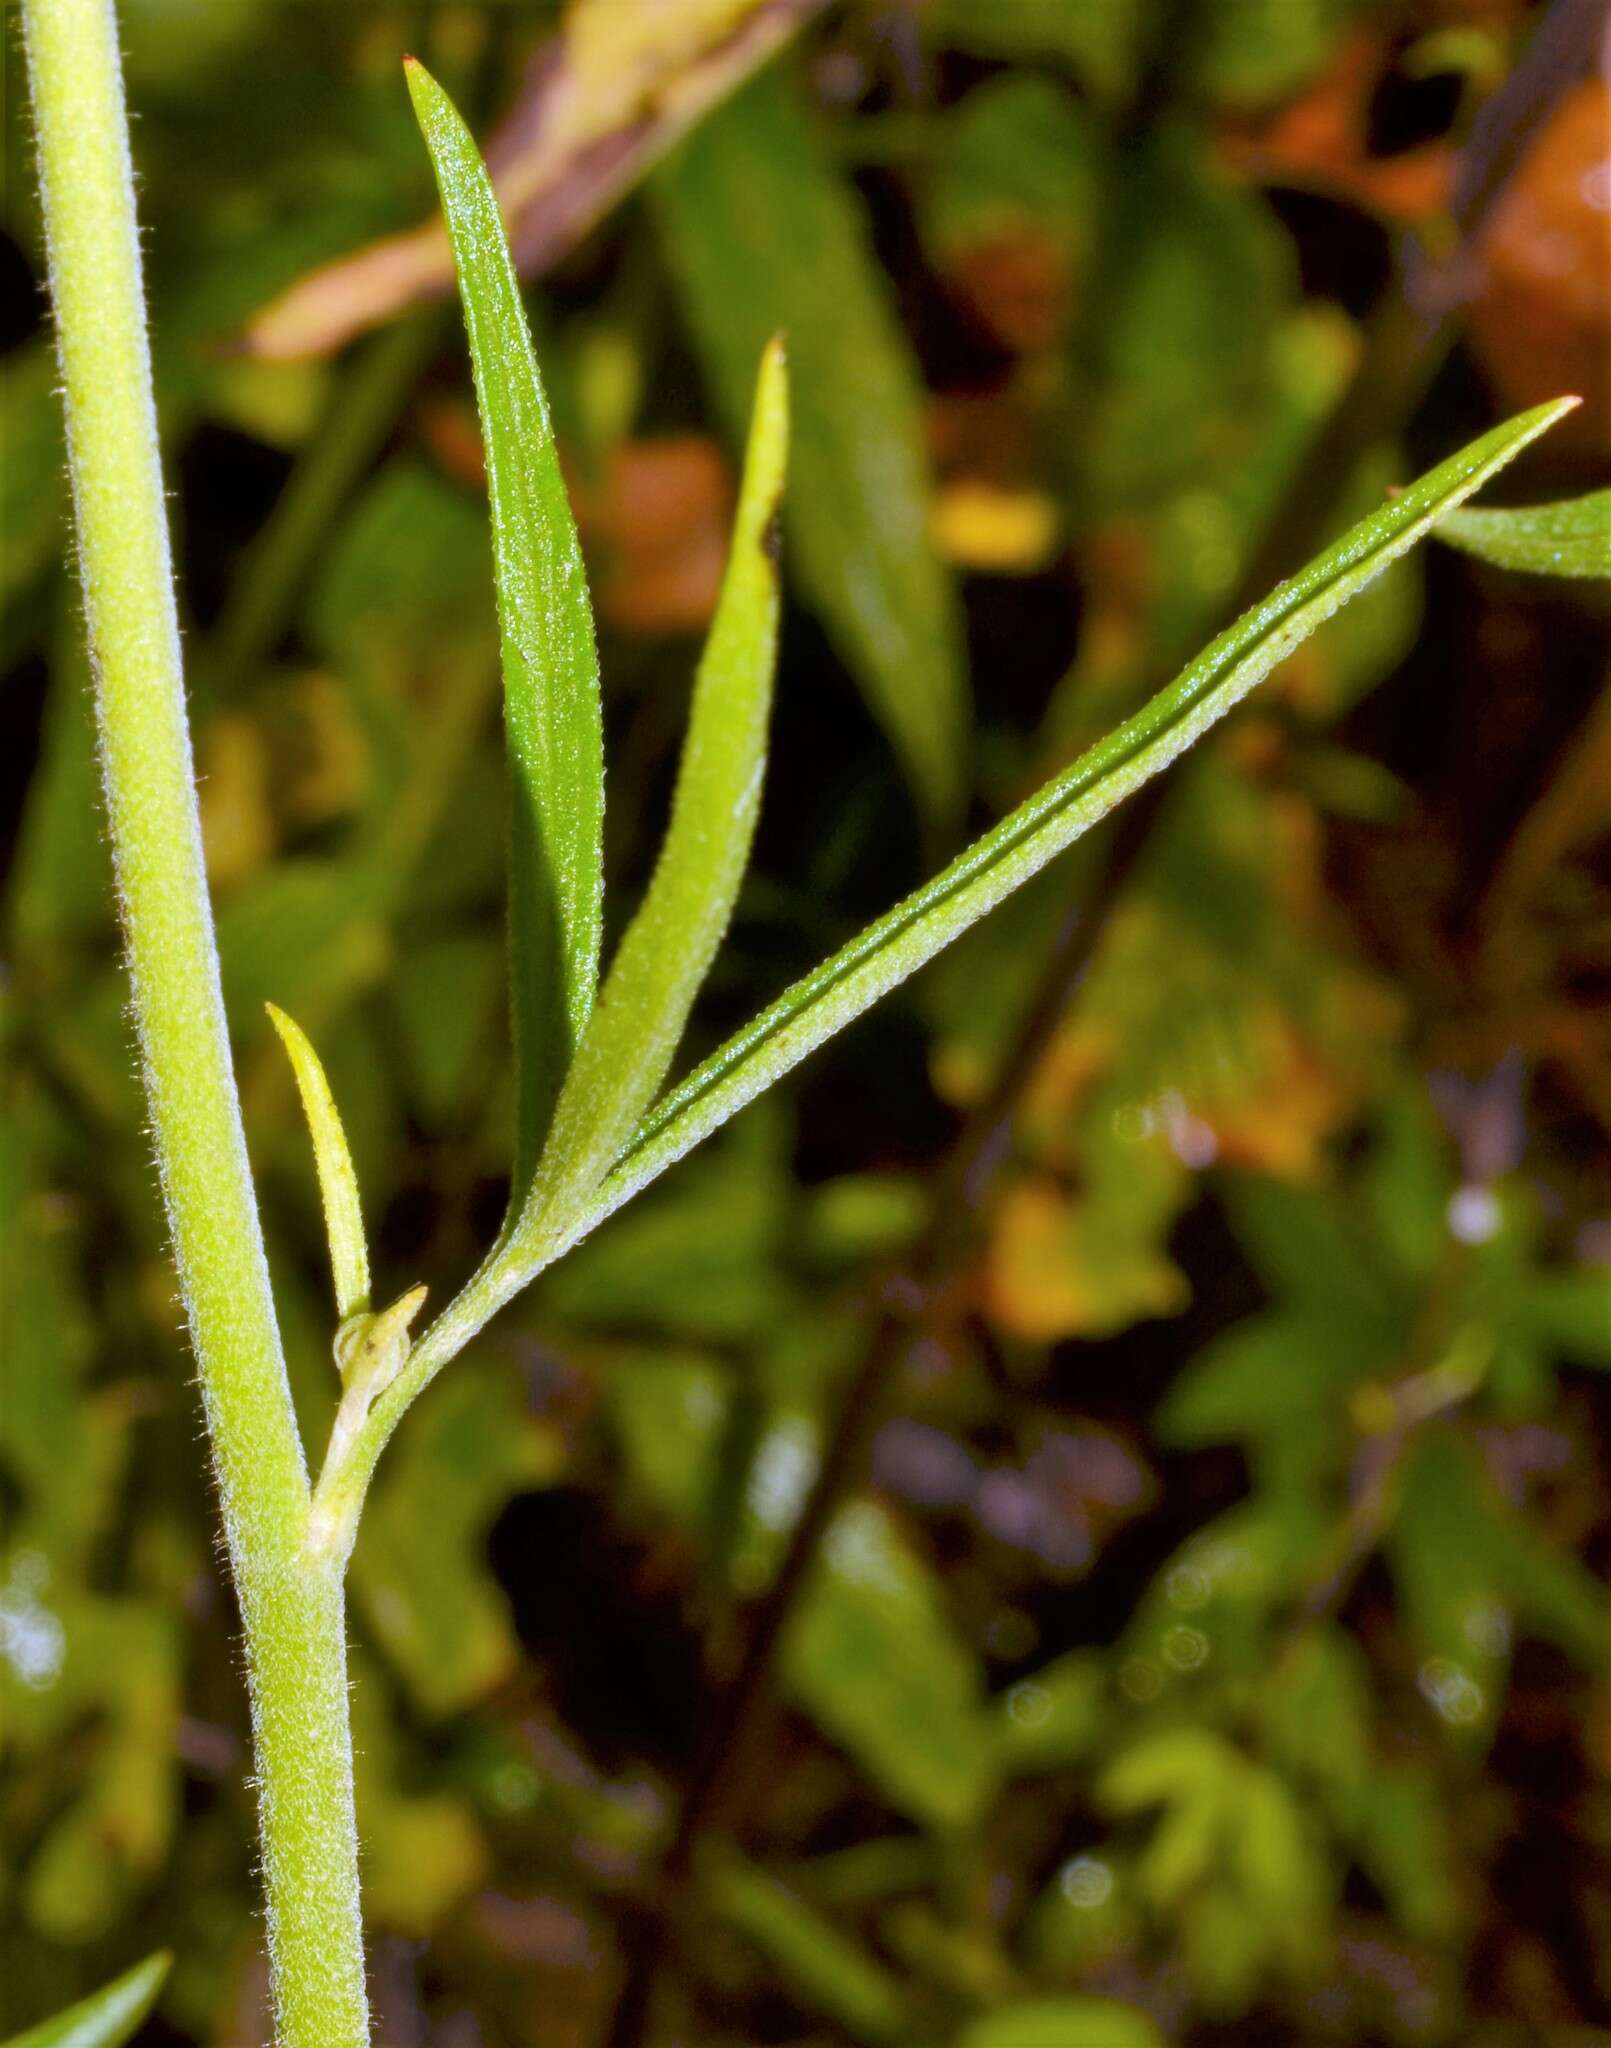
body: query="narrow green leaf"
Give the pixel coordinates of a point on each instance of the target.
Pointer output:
(632, 1035)
(1570, 1309)
(107, 2017)
(763, 233)
(550, 661)
(816, 1958)
(1572, 538)
(338, 1183)
(826, 1000)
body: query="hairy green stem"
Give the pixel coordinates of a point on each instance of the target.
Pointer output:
(291, 1599)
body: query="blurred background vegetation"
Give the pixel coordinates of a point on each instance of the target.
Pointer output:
(1207, 1641)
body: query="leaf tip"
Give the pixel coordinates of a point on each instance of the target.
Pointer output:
(423, 89)
(767, 457)
(338, 1184)
(1527, 427)
(408, 1304)
(1555, 409)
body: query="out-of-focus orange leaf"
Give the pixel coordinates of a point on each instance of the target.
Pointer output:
(1017, 283)
(452, 432)
(654, 519)
(600, 102)
(1281, 1126)
(1044, 1280)
(1320, 142)
(1542, 318)
(659, 522)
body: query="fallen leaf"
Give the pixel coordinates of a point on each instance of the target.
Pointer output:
(658, 521)
(1320, 142)
(600, 102)
(1015, 281)
(1542, 316)
(1051, 1271)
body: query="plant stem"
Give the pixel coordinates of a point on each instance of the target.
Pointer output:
(291, 1604)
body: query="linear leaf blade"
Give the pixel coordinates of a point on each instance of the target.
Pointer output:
(1569, 538)
(832, 1972)
(663, 957)
(338, 1182)
(550, 660)
(893, 948)
(763, 233)
(105, 2019)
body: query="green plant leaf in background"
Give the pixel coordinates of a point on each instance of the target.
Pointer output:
(902, 941)
(1098, 40)
(822, 1963)
(107, 2018)
(1572, 538)
(1062, 2023)
(31, 477)
(56, 897)
(1056, 1718)
(551, 683)
(764, 235)
(1191, 275)
(1253, 52)
(418, 1571)
(632, 1036)
(874, 1659)
(1571, 1310)
(1023, 154)
(1231, 1856)
(338, 1183)
(1467, 1570)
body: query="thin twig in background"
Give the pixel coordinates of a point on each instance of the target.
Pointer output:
(1407, 338)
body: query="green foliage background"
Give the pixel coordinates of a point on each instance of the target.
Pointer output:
(1216, 1647)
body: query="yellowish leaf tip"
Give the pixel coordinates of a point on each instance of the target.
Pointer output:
(338, 1183)
(371, 1350)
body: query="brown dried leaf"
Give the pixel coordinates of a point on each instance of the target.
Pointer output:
(660, 519)
(1319, 142)
(1543, 315)
(600, 102)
